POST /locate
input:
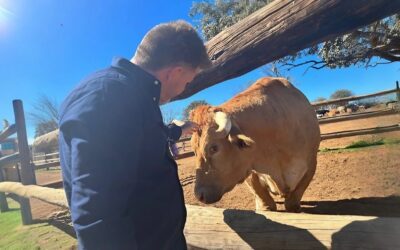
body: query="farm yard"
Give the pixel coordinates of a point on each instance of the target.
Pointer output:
(357, 175)
(359, 181)
(103, 127)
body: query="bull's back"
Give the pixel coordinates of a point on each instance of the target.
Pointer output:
(273, 111)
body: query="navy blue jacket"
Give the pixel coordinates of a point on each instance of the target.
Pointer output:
(120, 179)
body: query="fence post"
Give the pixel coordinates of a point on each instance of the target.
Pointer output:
(27, 171)
(398, 91)
(3, 199)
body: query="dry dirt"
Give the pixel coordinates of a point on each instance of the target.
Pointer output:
(365, 181)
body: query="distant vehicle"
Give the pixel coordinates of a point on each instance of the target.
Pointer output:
(321, 112)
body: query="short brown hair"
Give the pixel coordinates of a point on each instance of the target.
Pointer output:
(171, 44)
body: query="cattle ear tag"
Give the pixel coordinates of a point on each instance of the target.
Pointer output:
(241, 141)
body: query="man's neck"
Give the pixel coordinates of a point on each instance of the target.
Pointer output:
(159, 76)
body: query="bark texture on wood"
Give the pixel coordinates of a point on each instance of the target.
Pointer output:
(280, 29)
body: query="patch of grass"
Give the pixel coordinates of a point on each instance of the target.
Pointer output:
(13, 235)
(361, 144)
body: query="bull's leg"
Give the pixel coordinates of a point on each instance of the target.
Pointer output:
(292, 201)
(264, 201)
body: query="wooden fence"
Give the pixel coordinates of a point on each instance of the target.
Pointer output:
(27, 173)
(43, 160)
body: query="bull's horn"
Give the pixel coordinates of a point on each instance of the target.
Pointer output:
(224, 123)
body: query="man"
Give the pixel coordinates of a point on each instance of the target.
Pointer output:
(120, 180)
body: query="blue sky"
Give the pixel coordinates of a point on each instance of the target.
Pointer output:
(47, 46)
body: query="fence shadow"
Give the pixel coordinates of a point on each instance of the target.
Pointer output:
(370, 206)
(378, 233)
(261, 233)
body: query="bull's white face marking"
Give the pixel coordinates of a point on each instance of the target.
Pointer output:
(223, 121)
(221, 163)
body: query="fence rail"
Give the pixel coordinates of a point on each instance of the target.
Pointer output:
(8, 160)
(356, 116)
(366, 131)
(353, 98)
(10, 130)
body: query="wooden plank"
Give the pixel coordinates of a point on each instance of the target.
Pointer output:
(184, 155)
(353, 98)
(184, 139)
(49, 195)
(215, 228)
(46, 165)
(26, 170)
(7, 132)
(9, 160)
(3, 198)
(280, 29)
(356, 116)
(366, 131)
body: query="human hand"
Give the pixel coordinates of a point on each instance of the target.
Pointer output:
(187, 127)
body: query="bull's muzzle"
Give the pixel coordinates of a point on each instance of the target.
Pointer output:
(207, 195)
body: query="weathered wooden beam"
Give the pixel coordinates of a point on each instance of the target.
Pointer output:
(356, 116)
(7, 132)
(3, 198)
(9, 160)
(215, 228)
(366, 131)
(280, 29)
(49, 195)
(27, 172)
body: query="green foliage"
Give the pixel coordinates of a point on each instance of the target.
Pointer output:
(369, 46)
(213, 17)
(320, 99)
(341, 93)
(191, 106)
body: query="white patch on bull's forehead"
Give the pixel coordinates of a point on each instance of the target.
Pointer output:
(222, 119)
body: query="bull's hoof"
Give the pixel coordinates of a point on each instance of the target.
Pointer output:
(266, 208)
(296, 208)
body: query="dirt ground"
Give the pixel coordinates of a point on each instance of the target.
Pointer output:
(360, 182)
(364, 181)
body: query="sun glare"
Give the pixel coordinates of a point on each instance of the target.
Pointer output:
(5, 15)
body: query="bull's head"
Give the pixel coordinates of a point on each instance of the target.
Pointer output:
(223, 154)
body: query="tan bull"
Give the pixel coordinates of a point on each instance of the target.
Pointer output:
(268, 133)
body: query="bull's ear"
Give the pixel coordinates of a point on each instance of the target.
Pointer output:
(241, 141)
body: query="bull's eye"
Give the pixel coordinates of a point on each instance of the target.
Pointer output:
(213, 149)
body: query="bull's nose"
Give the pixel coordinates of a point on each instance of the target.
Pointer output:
(207, 196)
(201, 197)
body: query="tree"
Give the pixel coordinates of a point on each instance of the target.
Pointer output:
(369, 46)
(191, 106)
(341, 93)
(44, 115)
(320, 99)
(217, 16)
